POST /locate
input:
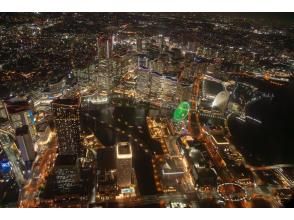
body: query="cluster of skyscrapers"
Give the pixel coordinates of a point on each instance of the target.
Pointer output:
(19, 111)
(160, 89)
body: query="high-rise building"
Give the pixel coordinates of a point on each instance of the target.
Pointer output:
(2, 110)
(168, 94)
(155, 87)
(104, 76)
(139, 44)
(20, 113)
(163, 89)
(67, 176)
(143, 84)
(124, 164)
(104, 46)
(143, 61)
(86, 76)
(119, 66)
(66, 113)
(25, 144)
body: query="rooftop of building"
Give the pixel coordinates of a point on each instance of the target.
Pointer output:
(74, 101)
(22, 130)
(124, 148)
(172, 166)
(241, 172)
(220, 139)
(106, 159)
(65, 160)
(17, 104)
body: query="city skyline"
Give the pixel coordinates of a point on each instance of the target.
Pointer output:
(146, 110)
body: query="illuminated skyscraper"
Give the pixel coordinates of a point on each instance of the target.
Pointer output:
(143, 61)
(104, 76)
(104, 46)
(20, 113)
(139, 44)
(167, 96)
(156, 87)
(124, 164)
(143, 84)
(66, 112)
(67, 176)
(25, 144)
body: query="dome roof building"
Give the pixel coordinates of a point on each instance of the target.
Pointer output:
(221, 100)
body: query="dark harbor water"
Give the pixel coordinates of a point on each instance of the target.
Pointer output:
(115, 123)
(269, 142)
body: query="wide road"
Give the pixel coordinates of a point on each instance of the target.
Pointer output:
(40, 170)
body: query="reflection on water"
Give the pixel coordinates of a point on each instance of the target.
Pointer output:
(269, 142)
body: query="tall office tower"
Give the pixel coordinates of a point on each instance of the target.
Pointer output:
(104, 76)
(139, 44)
(117, 68)
(155, 87)
(143, 61)
(143, 84)
(124, 164)
(169, 86)
(66, 175)
(25, 144)
(20, 113)
(86, 76)
(66, 113)
(104, 46)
